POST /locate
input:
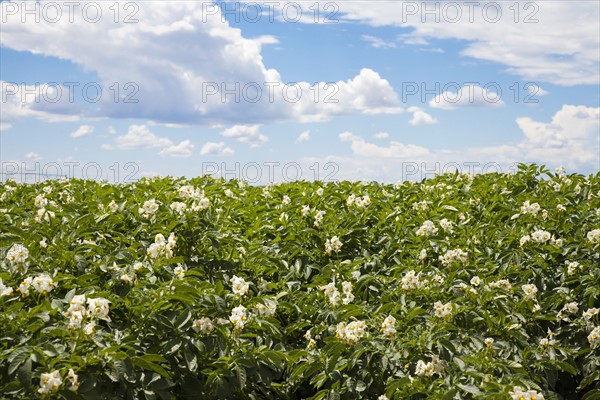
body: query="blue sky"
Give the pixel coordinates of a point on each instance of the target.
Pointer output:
(412, 88)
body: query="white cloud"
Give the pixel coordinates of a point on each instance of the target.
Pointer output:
(33, 156)
(535, 47)
(376, 42)
(361, 147)
(570, 138)
(467, 96)
(248, 134)
(138, 137)
(111, 130)
(382, 135)
(216, 149)
(303, 137)
(535, 90)
(420, 117)
(83, 130)
(181, 52)
(28, 101)
(183, 149)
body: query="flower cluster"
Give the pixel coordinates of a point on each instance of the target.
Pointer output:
(428, 369)
(453, 255)
(442, 310)
(350, 333)
(518, 393)
(334, 244)
(51, 382)
(594, 236)
(530, 290)
(238, 317)
(203, 325)
(357, 201)
(333, 294)
(148, 208)
(428, 228)
(594, 337)
(239, 285)
(178, 207)
(528, 208)
(410, 281)
(17, 255)
(388, 327)
(42, 284)
(266, 310)
(162, 247)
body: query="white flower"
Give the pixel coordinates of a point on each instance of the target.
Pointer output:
(43, 284)
(333, 244)
(347, 289)
(502, 283)
(541, 236)
(560, 207)
(73, 378)
(179, 272)
(305, 210)
(572, 267)
(489, 342)
(5, 290)
(423, 254)
(50, 382)
(446, 225)
(178, 207)
(594, 337)
(228, 192)
(238, 317)
(587, 315)
(319, 191)
(40, 201)
(113, 206)
(266, 310)
(383, 397)
(286, 200)
(319, 218)
(89, 328)
(17, 254)
(388, 327)
(524, 240)
(594, 236)
(453, 255)
(99, 308)
(162, 247)
(149, 208)
(201, 204)
(428, 369)
(331, 292)
(410, 281)
(528, 208)
(24, 287)
(442, 310)
(530, 290)
(475, 281)
(239, 285)
(43, 243)
(351, 332)
(203, 325)
(518, 393)
(428, 228)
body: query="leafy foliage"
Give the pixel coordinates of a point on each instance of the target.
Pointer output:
(464, 325)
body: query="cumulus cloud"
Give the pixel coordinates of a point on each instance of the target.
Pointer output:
(467, 96)
(361, 147)
(382, 135)
(216, 149)
(570, 138)
(420, 117)
(183, 149)
(181, 52)
(303, 137)
(248, 134)
(83, 130)
(139, 137)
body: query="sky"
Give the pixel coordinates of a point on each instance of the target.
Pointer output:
(284, 90)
